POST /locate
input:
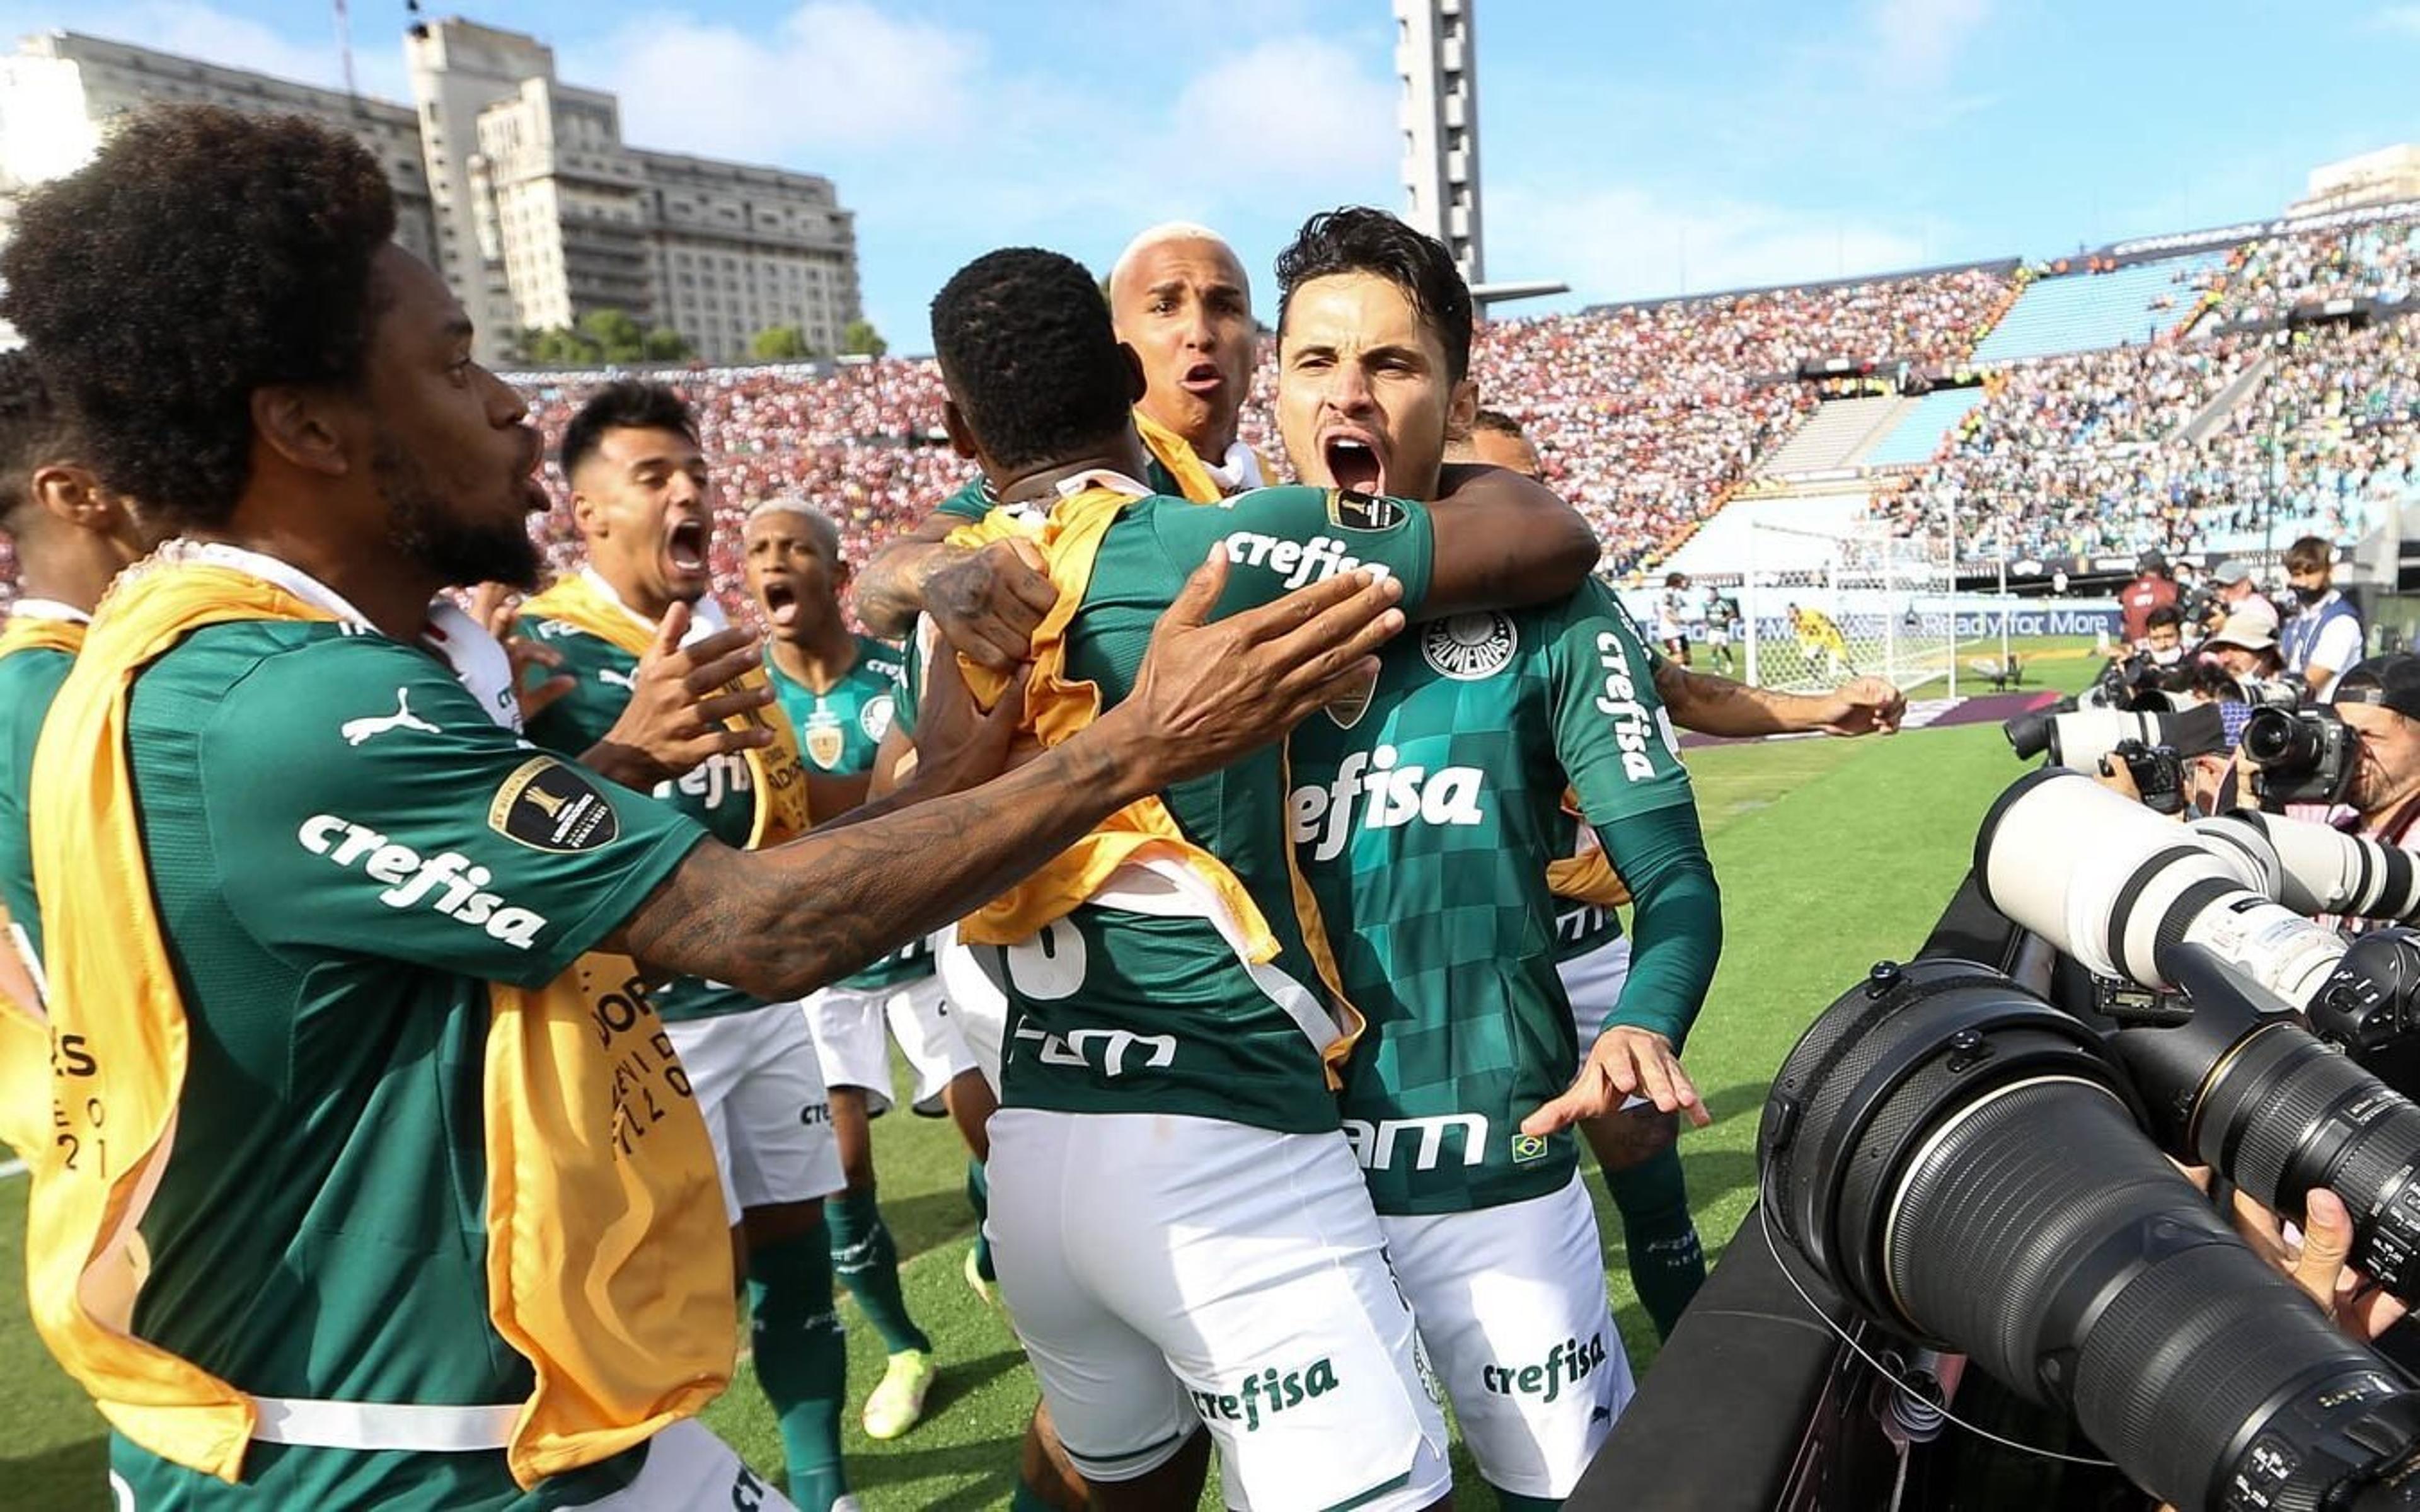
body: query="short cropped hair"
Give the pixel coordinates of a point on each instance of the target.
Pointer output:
(1498, 422)
(1032, 360)
(625, 404)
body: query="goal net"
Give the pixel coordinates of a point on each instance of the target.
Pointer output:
(1818, 607)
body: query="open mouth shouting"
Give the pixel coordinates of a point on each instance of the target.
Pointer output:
(781, 600)
(685, 547)
(1202, 380)
(1355, 461)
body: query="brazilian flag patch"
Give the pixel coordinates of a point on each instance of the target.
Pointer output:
(1527, 1148)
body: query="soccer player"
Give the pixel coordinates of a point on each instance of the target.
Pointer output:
(72, 535)
(379, 1183)
(1181, 1231)
(1427, 816)
(836, 689)
(1179, 298)
(1636, 1145)
(1671, 617)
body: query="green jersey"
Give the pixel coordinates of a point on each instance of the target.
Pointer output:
(719, 792)
(1583, 928)
(1136, 1001)
(29, 679)
(340, 871)
(839, 733)
(1424, 821)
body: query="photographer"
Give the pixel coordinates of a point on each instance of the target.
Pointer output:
(2379, 701)
(2152, 588)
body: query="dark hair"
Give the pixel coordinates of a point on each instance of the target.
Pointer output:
(2167, 614)
(1031, 361)
(33, 431)
(2203, 674)
(1358, 240)
(2309, 554)
(1498, 422)
(205, 253)
(625, 404)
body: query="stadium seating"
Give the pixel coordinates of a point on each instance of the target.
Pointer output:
(2083, 311)
(1831, 437)
(1922, 427)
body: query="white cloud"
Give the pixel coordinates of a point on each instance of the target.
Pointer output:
(2403, 19)
(1289, 113)
(834, 74)
(1628, 242)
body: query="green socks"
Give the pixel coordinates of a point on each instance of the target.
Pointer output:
(1666, 1263)
(868, 1263)
(1515, 1501)
(801, 1362)
(979, 1199)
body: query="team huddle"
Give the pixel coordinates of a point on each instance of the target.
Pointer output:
(431, 1029)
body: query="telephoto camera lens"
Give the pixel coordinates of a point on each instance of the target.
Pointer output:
(1960, 1161)
(2272, 737)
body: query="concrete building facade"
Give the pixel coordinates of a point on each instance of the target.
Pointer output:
(1436, 65)
(518, 187)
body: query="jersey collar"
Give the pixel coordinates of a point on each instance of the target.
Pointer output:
(1109, 478)
(705, 616)
(49, 609)
(1239, 471)
(268, 569)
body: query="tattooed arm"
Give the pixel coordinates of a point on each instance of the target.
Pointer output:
(781, 923)
(1713, 706)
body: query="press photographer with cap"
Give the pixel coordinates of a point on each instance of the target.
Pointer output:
(2151, 588)
(2380, 701)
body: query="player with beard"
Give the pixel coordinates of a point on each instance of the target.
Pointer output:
(379, 1183)
(644, 500)
(1637, 1145)
(1426, 815)
(1173, 1018)
(836, 689)
(1179, 298)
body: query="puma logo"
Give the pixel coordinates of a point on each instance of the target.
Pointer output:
(358, 730)
(627, 681)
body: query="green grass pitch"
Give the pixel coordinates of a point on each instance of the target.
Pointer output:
(1832, 854)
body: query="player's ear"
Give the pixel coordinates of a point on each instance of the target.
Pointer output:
(588, 516)
(1462, 410)
(295, 422)
(962, 436)
(1136, 380)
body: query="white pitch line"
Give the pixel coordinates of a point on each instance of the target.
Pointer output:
(12, 1167)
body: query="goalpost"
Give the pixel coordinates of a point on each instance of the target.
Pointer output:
(1818, 607)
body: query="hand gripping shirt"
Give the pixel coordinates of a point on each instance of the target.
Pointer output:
(1424, 819)
(723, 793)
(1134, 978)
(839, 733)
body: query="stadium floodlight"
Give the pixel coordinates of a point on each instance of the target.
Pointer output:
(1486, 294)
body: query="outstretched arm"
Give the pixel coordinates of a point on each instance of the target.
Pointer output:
(1712, 705)
(779, 923)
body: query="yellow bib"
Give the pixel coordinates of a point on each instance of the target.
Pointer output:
(782, 814)
(1184, 463)
(1056, 706)
(610, 1272)
(25, 1036)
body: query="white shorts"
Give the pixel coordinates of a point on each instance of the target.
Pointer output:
(689, 1467)
(849, 1027)
(1718, 635)
(1513, 1308)
(976, 1003)
(1593, 984)
(763, 1100)
(1166, 1271)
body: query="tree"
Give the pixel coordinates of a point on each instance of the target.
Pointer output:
(562, 347)
(862, 339)
(614, 334)
(665, 344)
(779, 344)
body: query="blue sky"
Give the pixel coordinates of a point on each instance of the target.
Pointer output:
(1632, 148)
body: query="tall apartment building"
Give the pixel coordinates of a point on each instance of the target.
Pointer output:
(517, 187)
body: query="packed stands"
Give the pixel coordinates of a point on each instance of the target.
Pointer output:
(2081, 311)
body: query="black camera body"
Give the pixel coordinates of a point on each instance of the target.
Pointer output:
(2159, 774)
(2304, 755)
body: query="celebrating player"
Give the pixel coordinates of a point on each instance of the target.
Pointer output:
(379, 1182)
(1171, 1020)
(1427, 815)
(836, 689)
(1179, 298)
